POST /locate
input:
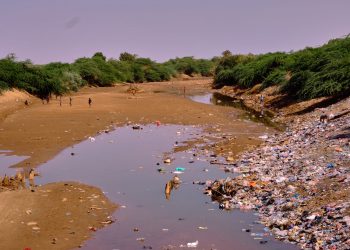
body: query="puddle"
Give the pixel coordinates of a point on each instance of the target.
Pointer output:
(8, 160)
(250, 114)
(123, 163)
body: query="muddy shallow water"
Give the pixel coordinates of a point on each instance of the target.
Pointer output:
(123, 163)
(215, 98)
(6, 160)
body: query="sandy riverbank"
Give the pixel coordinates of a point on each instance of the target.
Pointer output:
(55, 216)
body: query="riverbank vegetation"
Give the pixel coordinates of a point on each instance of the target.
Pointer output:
(305, 74)
(61, 78)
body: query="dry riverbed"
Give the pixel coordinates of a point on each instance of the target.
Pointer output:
(63, 215)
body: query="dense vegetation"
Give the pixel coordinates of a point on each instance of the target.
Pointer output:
(308, 73)
(60, 78)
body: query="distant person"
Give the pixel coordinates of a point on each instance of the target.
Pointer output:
(90, 102)
(31, 178)
(262, 98)
(324, 118)
(70, 101)
(61, 101)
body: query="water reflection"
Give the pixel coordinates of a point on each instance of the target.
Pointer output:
(7, 160)
(123, 163)
(264, 116)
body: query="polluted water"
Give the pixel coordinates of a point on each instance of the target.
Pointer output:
(8, 159)
(264, 117)
(161, 205)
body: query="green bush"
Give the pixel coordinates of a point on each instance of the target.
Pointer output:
(3, 86)
(276, 77)
(314, 72)
(191, 66)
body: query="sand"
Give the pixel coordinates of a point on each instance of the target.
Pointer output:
(55, 216)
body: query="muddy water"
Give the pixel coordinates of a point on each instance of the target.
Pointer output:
(6, 160)
(250, 114)
(123, 163)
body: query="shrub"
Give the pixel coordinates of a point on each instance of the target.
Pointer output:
(315, 72)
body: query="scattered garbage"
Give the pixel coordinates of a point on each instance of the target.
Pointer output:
(180, 169)
(174, 183)
(177, 172)
(230, 158)
(298, 181)
(192, 244)
(107, 222)
(264, 137)
(32, 223)
(161, 170)
(176, 180)
(167, 160)
(136, 127)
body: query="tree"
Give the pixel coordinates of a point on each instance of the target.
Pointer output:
(99, 55)
(125, 56)
(226, 53)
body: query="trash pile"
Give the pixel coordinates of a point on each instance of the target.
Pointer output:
(299, 181)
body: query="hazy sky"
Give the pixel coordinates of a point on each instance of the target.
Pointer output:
(63, 30)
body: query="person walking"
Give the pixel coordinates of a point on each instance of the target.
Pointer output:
(262, 105)
(70, 101)
(90, 102)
